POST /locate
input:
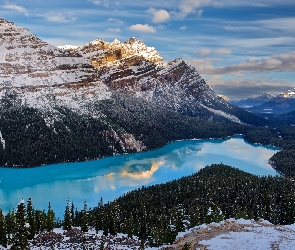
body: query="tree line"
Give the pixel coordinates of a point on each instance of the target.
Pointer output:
(157, 213)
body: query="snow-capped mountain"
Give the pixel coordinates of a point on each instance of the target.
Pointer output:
(253, 101)
(269, 104)
(42, 76)
(132, 68)
(107, 95)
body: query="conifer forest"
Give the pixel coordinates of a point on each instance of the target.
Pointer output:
(157, 213)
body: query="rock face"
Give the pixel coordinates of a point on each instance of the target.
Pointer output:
(43, 76)
(134, 69)
(95, 100)
(40, 74)
(100, 53)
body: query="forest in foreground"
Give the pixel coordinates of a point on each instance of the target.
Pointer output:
(157, 213)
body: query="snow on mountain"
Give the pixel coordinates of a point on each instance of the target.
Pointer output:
(254, 101)
(39, 74)
(2, 140)
(269, 104)
(101, 53)
(101, 91)
(229, 234)
(69, 47)
(240, 234)
(42, 76)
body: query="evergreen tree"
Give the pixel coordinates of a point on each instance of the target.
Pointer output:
(73, 219)
(3, 236)
(31, 219)
(130, 225)
(20, 239)
(40, 218)
(97, 219)
(67, 223)
(84, 226)
(10, 220)
(50, 219)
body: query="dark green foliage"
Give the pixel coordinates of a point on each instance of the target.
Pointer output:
(31, 219)
(158, 212)
(30, 140)
(84, 218)
(156, 126)
(40, 219)
(50, 219)
(284, 160)
(20, 239)
(67, 222)
(3, 236)
(11, 227)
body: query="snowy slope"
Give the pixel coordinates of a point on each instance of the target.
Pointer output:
(42, 76)
(238, 234)
(228, 235)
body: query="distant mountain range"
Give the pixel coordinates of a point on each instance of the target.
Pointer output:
(79, 103)
(268, 104)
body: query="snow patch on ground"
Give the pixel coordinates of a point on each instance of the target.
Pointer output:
(239, 234)
(2, 140)
(223, 114)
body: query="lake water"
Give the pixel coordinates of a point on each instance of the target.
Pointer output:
(112, 176)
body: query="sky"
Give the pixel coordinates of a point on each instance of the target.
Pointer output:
(243, 48)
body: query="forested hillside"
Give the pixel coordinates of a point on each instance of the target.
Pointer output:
(157, 213)
(101, 99)
(122, 124)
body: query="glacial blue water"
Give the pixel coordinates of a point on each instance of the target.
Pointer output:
(112, 176)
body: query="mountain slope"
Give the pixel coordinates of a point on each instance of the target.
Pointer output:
(134, 69)
(253, 101)
(99, 99)
(269, 105)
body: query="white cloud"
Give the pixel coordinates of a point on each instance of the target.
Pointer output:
(183, 27)
(96, 2)
(142, 28)
(190, 6)
(159, 16)
(105, 3)
(16, 8)
(237, 89)
(207, 51)
(199, 13)
(277, 24)
(222, 52)
(115, 30)
(275, 63)
(204, 52)
(59, 17)
(115, 20)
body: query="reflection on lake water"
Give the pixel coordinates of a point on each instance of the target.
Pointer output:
(112, 176)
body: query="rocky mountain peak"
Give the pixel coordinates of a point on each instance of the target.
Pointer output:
(75, 77)
(15, 37)
(101, 53)
(95, 94)
(37, 72)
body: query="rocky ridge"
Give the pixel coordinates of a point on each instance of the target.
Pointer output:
(75, 92)
(42, 75)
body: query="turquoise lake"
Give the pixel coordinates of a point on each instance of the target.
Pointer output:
(112, 176)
